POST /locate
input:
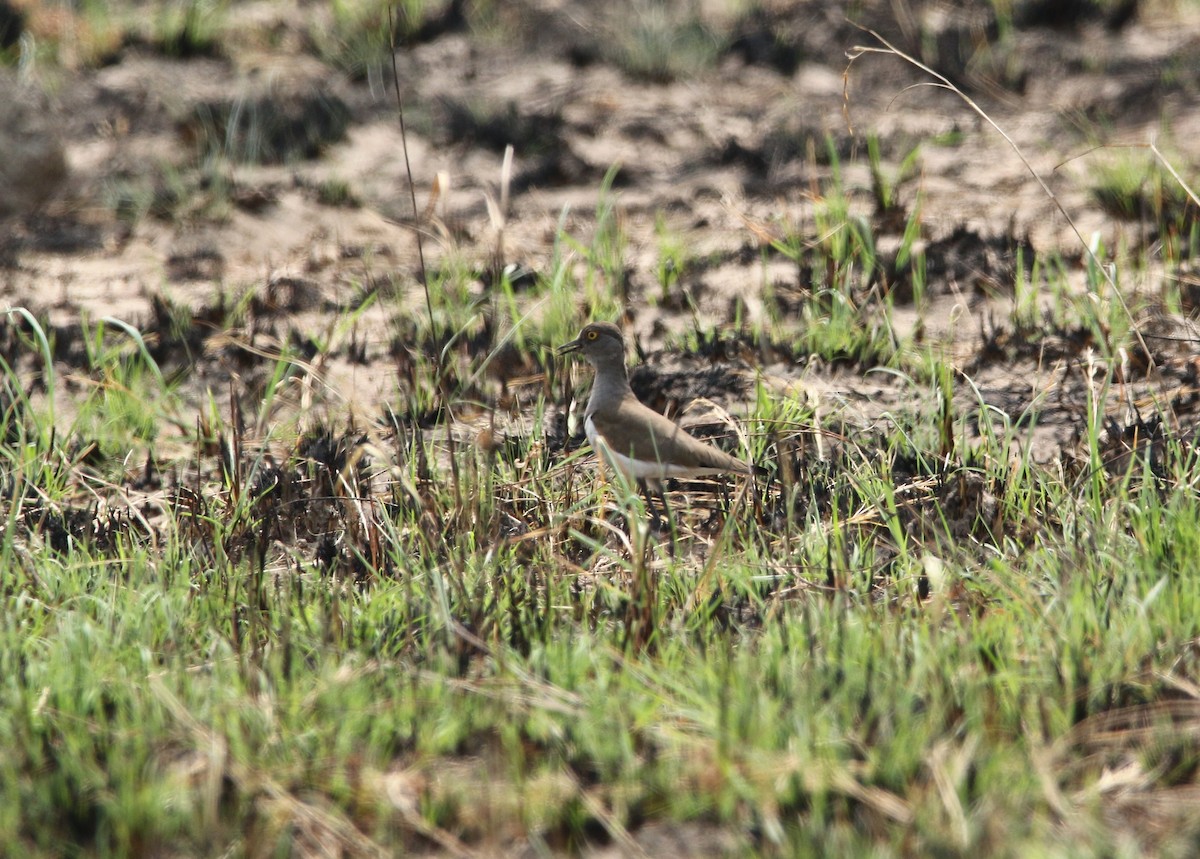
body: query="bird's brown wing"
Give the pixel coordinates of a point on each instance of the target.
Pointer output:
(666, 441)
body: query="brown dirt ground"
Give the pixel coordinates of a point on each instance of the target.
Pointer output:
(724, 157)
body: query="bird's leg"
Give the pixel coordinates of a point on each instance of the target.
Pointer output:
(666, 521)
(662, 493)
(645, 488)
(662, 496)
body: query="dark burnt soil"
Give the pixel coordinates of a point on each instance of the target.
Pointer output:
(307, 219)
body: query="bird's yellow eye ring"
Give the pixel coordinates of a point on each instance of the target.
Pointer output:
(592, 335)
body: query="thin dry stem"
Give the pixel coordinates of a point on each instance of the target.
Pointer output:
(858, 50)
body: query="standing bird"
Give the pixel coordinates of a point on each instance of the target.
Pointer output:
(631, 437)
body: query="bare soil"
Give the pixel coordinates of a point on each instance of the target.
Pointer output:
(724, 159)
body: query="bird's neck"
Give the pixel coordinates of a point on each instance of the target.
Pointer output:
(611, 385)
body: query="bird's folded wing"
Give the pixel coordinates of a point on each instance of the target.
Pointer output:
(659, 439)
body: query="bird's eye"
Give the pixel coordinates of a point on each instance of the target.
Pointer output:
(592, 335)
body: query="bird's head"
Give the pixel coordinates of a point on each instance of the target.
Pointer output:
(600, 342)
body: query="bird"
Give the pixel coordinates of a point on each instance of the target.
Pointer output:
(630, 437)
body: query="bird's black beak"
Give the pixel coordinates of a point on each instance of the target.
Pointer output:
(566, 349)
